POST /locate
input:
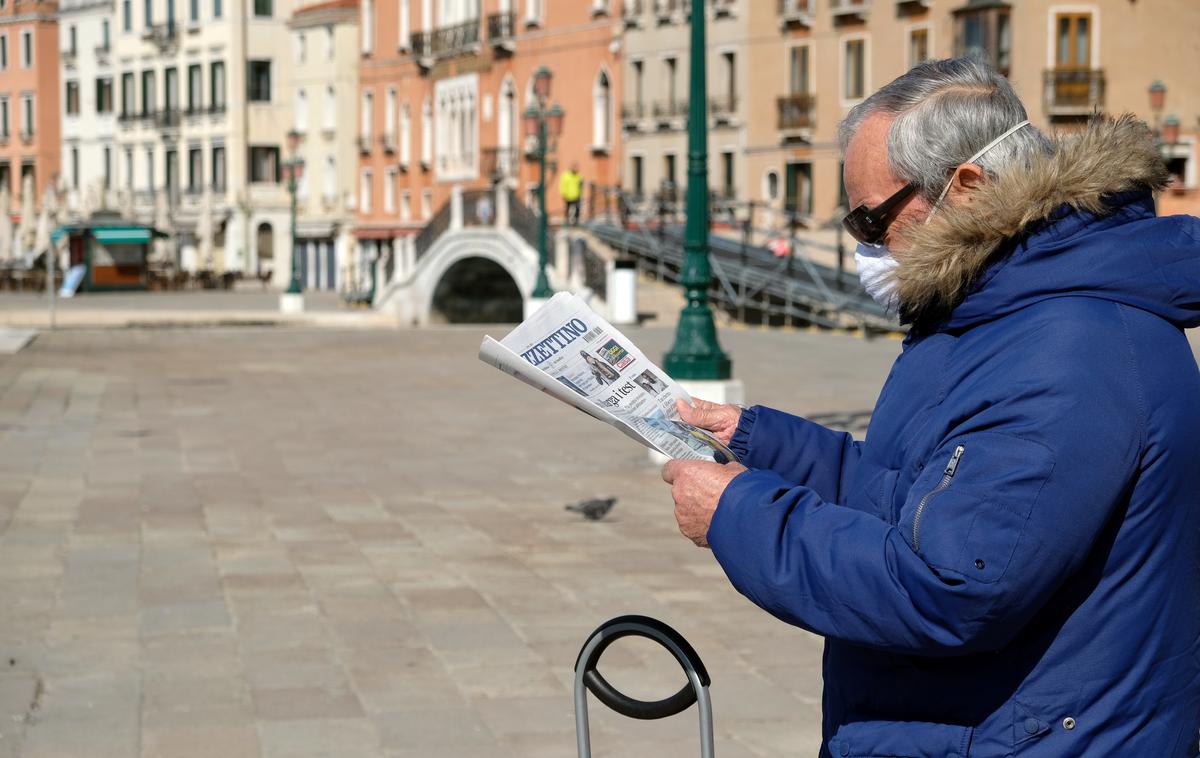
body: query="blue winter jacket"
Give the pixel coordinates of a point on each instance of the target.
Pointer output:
(1009, 564)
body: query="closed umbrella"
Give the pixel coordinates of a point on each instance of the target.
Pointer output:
(23, 248)
(162, 222)
(6, 228)
(204, 233)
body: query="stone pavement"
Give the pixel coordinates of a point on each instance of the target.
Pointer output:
(287, 542)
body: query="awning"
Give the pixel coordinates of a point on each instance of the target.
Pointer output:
(127, 235)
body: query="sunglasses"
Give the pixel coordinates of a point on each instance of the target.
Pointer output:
(870, 225)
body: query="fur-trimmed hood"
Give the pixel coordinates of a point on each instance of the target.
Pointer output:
(1005, 248)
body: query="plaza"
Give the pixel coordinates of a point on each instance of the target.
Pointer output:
(302, 542)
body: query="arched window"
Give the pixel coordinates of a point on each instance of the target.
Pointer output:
(389, 118)
(264, 247)
(771, 186)
(405, 135)
(601, 112)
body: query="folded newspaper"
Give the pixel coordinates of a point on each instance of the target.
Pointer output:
(569, 352)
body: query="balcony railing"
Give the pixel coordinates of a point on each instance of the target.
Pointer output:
(502, 29)
(498, 162)
(668, 10)
(388, 143)
(1074, 92)
(670, 109)
(216, 109)
(68, 58)
(102, 52)
(168, 118)
(422, 45)
(797, 111)
(163, 36)
(455, 40)
(722, 108)
(633, 112)
(796, 12)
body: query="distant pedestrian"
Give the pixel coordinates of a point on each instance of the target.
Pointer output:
(570, 186)
(483, 210)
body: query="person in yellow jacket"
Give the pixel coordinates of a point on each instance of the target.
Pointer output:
(570, 186)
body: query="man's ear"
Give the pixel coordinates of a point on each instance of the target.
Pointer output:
(966, 177)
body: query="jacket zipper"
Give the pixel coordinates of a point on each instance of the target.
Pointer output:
(947, 476)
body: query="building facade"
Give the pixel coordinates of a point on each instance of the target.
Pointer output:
(816, 60)
(654, 112)
(30, 119)
(87, 105)
(202, 122)
(444, 84)
(324, 88)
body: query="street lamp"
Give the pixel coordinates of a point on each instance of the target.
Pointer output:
(292, 300)
(696, 354)
(1166, 131)
(544, 124)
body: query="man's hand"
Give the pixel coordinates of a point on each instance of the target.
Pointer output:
(696, 487)
(721, 420)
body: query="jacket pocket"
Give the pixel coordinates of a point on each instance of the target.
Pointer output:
(901, 739)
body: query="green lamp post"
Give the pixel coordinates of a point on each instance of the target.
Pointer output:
(294, 166)
(696, 354)
(544, 123)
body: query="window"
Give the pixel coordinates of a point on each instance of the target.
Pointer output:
(854, 75)
(72, 40)
(195, 169)
(4, 127)
(264, 164)
(104, 94)
(364, 192)
(456, 125)
(300, 117)
(148, 11)
(195, 101)
(72, 99)
(260, 81)
(216, 84)
(218, 10)
(427, 133)
(128, 96)
(171, 89)
(669, 68)
(264, 8)
(74, 168)
(329, 43)
(331, 180)
(107, 168)
(669, 169)
(127, 15)
(918, 45)
(368, 27)
(405, 135)
(218, 168)
(639, 177)
(729, 60)
(727, 183)
(390, 178)
(150, 184)
(405, 36)
(128, 168)
(172, 175)
(301, 47)
(193, 12)
(533, 11)
(984, 34)
(406, 206)
(5, 167)
(368, 117)
(27, 123)
(601, 112)
(105, 39)
(799, 80)
(389, 118)
(426, 203)
(330, 110)
(638, 81)
(771, 186)
(799, 189)
(26, 49)
(148, 93)
(1073, 41)
(3, 49)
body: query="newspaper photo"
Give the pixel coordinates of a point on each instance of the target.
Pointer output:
(568, 351)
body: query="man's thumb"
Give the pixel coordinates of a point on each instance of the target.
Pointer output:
(692, 415)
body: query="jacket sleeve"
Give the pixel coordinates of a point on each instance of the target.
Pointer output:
(980, 544)
(797, 449)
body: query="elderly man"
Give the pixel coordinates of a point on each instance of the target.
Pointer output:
(1009, 565)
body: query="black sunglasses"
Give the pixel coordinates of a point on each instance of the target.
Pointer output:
(870, 225)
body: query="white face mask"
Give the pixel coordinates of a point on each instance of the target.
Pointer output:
(877, 272)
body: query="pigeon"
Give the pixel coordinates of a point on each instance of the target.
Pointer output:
(594, 509)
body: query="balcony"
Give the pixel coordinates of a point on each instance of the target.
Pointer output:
(1074, 93)
(364, 144)
(216, 109)
(794, 13)
(797, 114)
(102, 53)
(498, 163)
(667, 11)
(422, 48)
(502, 31)
(849, 10)
(459, 39)
(168, 118)
(668, 111)
(632, 114)
(68, 58)
(723, 8)
(723, 109)
(388, 143)
(632, 13)
(164, 36)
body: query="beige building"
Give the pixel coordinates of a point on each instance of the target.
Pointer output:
(812, 60)
(655, 65)
(324, 87)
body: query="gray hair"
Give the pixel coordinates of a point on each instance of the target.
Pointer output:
(946, 111)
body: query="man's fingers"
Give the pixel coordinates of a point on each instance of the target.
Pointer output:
(670, 471)
(698, 415)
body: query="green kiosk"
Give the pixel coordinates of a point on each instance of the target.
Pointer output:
(107, 253)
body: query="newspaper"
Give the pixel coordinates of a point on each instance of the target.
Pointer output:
(569, 352)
